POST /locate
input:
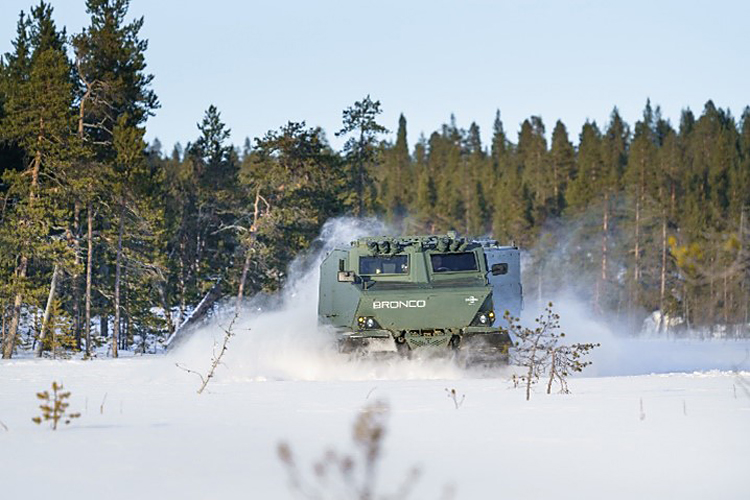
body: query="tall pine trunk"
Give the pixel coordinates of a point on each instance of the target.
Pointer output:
(605, 255)
(75, 285)
(48, 311)
(10, 338)
(118, 274)
(467, 196)
(89, 264)
(245, 269)
(744, 276)
(167, 310)
(183, 282)
(89, 217)
(4, 313)
(637, 249)
(663, 277)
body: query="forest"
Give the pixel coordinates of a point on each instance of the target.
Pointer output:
(106, 240)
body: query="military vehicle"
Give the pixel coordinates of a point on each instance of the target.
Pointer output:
(411, 293)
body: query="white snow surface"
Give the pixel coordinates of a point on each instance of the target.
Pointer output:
(145, 433)
(649, 419)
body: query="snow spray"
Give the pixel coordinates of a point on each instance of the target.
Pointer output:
(278, 337)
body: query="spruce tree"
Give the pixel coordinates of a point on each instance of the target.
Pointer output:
(397, 175)
(562, 163)
(446, 161)
(638, 176)
(424, 201)
(582, 189)
(472, 186)
(532, 157)
(615, 145)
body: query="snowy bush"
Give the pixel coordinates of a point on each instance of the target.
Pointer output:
(541, 353)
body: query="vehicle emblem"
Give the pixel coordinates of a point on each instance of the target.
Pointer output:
(472, 300)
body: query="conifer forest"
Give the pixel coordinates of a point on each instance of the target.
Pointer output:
(106, 240)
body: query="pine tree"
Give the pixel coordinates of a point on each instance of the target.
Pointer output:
(298, 180)
(111, 64)
(111, 69)
(669, 158)
(201, 204)
(359, 122)
(38, 121)
(129, 145)
(638, 176)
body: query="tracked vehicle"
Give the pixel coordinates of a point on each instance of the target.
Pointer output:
(417, 293)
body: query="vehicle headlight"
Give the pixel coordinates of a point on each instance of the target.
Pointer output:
(367, 323)
(484, 318)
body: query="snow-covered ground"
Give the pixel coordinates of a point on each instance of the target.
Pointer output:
(649, 419)
(145, 433)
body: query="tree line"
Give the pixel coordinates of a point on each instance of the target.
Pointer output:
(634, 219)
(105, 239)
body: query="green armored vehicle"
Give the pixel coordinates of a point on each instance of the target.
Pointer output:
(401, 294)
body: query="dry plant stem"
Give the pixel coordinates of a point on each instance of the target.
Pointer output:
(454, 396)
(188, 370)
(3, 425)
(228, 333)
(551, 373)
(216, 360)
(349, 476)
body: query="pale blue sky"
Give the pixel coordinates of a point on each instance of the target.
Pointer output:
(264, 63)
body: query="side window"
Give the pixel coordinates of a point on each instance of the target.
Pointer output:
(498, 269)
(447, 262)
(396, 264)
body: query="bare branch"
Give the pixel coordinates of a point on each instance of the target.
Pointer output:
(188, 370)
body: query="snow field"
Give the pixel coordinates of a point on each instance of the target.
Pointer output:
(156, 438)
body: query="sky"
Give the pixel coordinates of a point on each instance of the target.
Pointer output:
(266, 63)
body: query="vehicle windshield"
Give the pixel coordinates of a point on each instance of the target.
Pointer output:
(446, 262)
(395, 264)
